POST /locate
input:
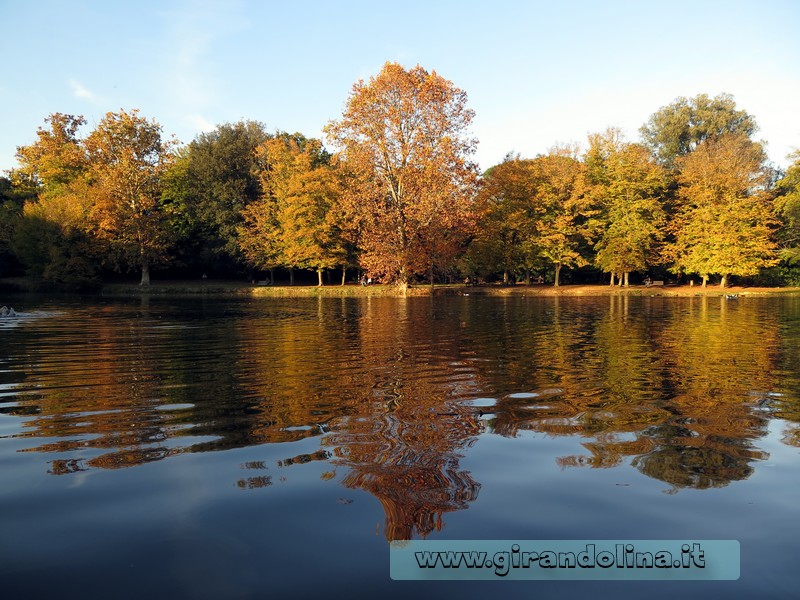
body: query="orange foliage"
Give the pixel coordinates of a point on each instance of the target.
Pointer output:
(403, 135)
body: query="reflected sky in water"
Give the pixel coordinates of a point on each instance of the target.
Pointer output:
(221, 448)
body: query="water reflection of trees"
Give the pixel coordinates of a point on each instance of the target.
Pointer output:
(675, 389)
(681, 389)
(391, 410)
(375, 381)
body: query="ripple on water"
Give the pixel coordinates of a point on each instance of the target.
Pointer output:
(482, 402)
(175, 407)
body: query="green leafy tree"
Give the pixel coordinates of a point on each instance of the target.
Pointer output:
(217, 181)
(678, 128)
(787, 207)
(12, 200)
(724, 223)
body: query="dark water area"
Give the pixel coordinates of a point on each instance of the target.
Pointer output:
(213, 448)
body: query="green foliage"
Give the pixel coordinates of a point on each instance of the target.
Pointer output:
(219, 180)
(678, 128)
(55, 256)
(787, 209)
(10, 211)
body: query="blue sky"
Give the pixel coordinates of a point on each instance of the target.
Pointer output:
(536, 73)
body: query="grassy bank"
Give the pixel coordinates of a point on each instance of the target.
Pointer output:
(354, 290)
(243, 289)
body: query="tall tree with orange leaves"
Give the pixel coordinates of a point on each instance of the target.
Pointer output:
(129, 158)
(404, 135)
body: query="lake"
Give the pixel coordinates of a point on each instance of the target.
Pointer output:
(255, 448)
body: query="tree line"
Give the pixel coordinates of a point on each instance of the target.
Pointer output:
(395, 195)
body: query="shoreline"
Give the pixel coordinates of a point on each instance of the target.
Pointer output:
(356, 290)
(243, 289)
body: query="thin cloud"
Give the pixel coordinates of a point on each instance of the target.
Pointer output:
(80, 91)
(192, 76)
(199, 123)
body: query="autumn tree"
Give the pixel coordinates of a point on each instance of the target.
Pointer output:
(561, 211)
(787, 207)
(404, 135)
(680, 127)
(724, 224)
(505, 218)
(53, 236)
(294, 224)
(129, 158)
(626, 185)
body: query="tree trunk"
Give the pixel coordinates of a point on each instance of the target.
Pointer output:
(505, 277)
(558, 274)
(344, 274)
(272, 276)
(613, 278)
(319, 277)
(723, 282)
(291, 276)
(626, 278)
(705, 281)
(430, 274)
(527, 276)
(145, 274)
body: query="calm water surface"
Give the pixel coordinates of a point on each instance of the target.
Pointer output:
(271, 448)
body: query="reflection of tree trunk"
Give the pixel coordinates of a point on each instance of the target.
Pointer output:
(145, 274)
(344, 273)
(558, 274)
(291, 276)
(723, 282)
(319, 277)
(402, 281)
